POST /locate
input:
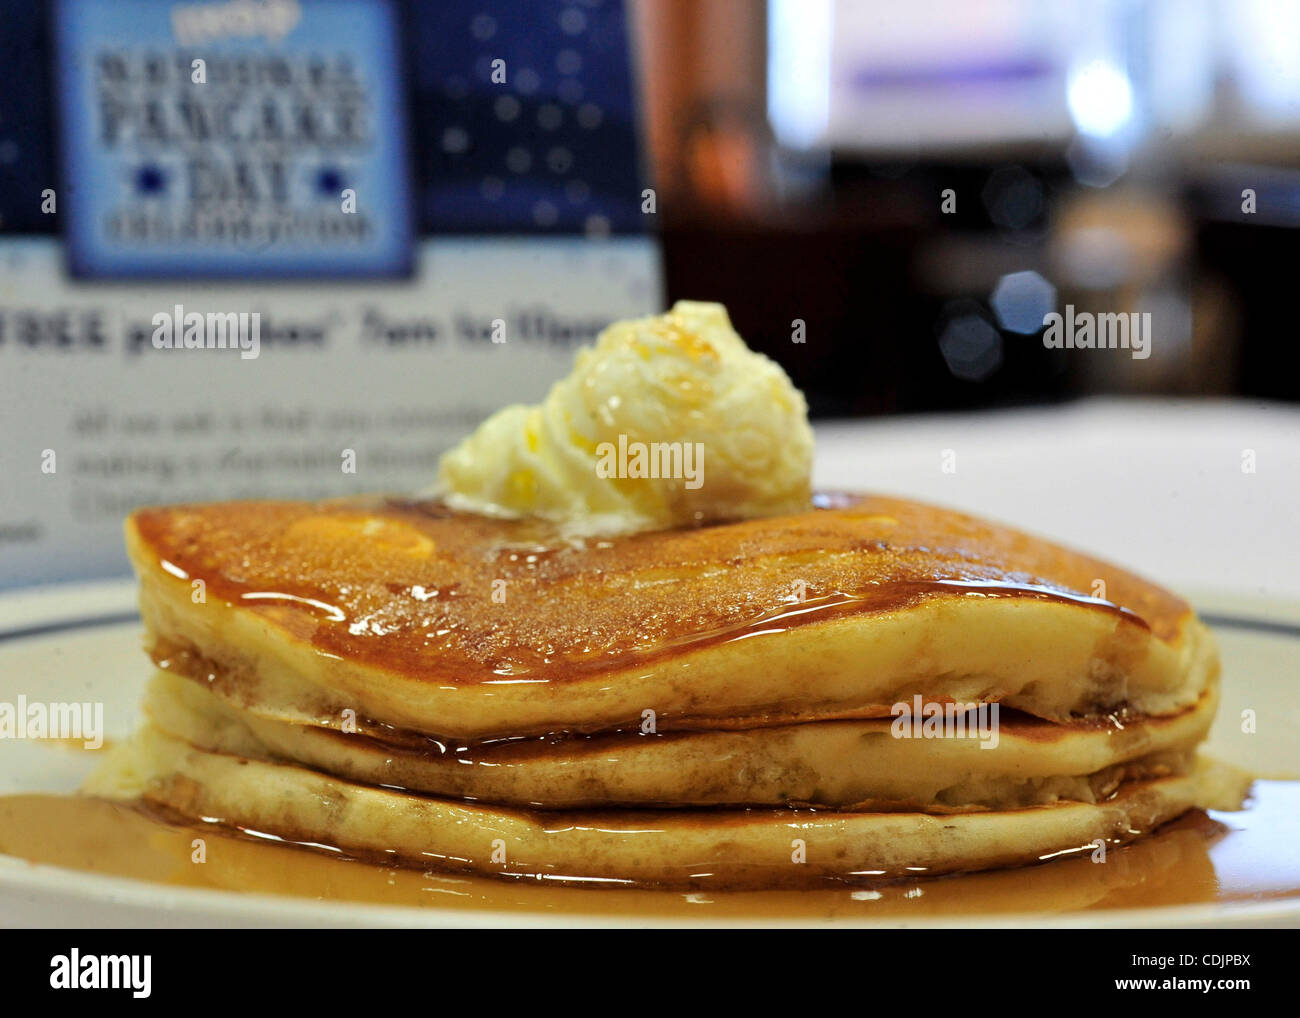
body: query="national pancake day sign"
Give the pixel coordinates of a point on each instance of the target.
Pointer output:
(237, 138)
(180, 199)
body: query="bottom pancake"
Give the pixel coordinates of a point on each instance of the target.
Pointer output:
(682, 848)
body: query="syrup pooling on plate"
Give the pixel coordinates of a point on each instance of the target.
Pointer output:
(1223, 858)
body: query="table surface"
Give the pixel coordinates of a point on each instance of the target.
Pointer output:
(1154, 485)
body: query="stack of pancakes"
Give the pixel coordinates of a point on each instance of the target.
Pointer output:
(704, 707)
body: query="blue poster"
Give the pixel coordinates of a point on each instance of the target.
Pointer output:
(551, 143)
(233, 138)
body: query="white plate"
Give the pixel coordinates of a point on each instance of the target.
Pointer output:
(79, 643)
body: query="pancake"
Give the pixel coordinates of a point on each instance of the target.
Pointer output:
(855, 764)
(410, 615)
(712, 706)
(673, 848)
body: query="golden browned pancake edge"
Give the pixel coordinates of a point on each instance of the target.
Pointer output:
(472, 627)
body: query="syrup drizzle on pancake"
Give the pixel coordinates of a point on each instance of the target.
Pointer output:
(408, 585)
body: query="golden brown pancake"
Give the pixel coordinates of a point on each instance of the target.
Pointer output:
(405, 614)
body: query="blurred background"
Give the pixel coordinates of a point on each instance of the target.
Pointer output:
(888, 197)
(1102, 154)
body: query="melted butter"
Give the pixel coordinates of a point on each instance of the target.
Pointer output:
(1219, 858)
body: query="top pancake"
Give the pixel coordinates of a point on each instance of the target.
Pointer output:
(469, 626)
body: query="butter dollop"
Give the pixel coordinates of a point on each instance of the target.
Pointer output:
(668, 421)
